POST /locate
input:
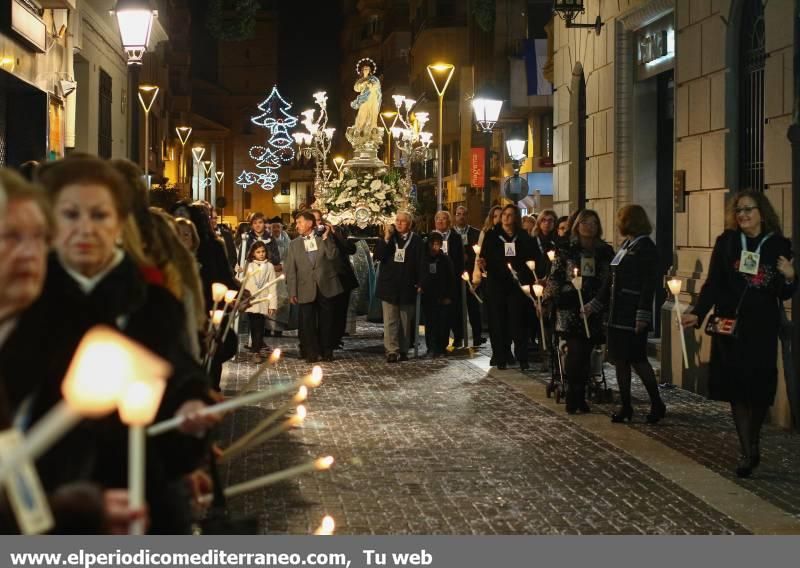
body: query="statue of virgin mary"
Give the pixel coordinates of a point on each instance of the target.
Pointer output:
(368, 101)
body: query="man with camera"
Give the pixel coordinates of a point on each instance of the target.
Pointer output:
(310, 269)
(399, 252)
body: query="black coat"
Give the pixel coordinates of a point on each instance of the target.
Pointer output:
(397, 281)
(473, 235)
(629, 289)
(437, 283)
(226, 235)
(344, 268)
(745, 368)
(40, 350)
(455, 250)
(499, 278)
(214, 267)
(543, 246)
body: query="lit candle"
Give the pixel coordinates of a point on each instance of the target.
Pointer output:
(269, 284)
(253, 379)
(230, 296)
(675, 286)
(477, 249)
(236, 303)
(538, 291)
(465, 278)
(310, 381)
(216, 317)
(137, 408)
(218, 291)
(577, 282)
(320, 464)
(551, 254)
(327, 527)
(103, 364)
(285, 426)
(244, 441)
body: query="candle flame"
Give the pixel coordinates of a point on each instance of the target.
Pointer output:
(218, 291)
(274, 356)
(302, 394)
(465, 277)
(526, 290)
(324, 463)
(301, 412)
(538, 289)
(575, 272)
(675, 286)
(477, 249)
(216, 319)
(327, 527)
(281, 277)
(551, 255)
(531, 264)
(230, 296)
(316, 377)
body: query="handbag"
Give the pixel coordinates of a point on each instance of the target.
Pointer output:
(725, 326)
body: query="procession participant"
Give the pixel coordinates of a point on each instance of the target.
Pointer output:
(453, 246)
(436, 283)
(469, 237)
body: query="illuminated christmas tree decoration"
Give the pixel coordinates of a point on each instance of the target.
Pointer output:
(274, 117)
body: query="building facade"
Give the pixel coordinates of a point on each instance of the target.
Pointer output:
(674, 105)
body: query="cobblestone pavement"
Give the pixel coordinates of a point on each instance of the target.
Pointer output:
(437, 447)
(703, 430)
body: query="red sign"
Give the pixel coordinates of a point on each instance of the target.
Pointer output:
(477, 172)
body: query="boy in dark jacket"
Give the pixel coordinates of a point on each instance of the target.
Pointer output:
(437, 282)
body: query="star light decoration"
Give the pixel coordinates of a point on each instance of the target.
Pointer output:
(275, 117)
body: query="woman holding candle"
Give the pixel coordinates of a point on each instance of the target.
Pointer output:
(544, 234)
(261, 271)
(91, 281)
(628, 294)
(588, 258)
(506, 249)
(749, 277)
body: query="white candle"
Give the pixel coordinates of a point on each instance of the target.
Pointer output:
(257, 440)
(269, 284)
(675, 286)
(538, 291)
(477, 249)
(253, 379)
(218, 291)
(310, 381)
(465, 278)
(272, 478)
(136, 475)
(327, 527)
(230, 296)
(577, 282)
(551, 254)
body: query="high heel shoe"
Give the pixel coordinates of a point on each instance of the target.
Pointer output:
(624, 414)
(657, 412)
(745, 467)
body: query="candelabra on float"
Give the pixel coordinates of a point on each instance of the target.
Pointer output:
(410, 138)
(316, 141)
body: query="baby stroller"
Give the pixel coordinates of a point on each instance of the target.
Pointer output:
(597, 389)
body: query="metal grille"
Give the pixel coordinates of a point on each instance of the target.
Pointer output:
(751, 97)
(104, 136)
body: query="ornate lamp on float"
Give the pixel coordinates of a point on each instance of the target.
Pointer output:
(410, 139)
(316, 141)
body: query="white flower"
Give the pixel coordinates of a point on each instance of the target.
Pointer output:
(376, 184)
(351, 183)
(380, 195)
(374, 207)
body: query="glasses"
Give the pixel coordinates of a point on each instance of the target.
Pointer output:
(745, 210)
(13, 239)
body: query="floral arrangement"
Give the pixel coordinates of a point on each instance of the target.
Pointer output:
(362, 198)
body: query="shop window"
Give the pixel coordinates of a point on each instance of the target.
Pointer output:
(752, 57)
(104, 135)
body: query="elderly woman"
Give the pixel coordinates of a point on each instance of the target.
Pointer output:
(628, 294)
(91, 281)
(749, 277)
(588, 256)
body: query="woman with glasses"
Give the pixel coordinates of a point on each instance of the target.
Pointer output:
(749, 276)
(544, 238)
(589, 257)
(628, 293)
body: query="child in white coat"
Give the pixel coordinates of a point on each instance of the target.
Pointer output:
(265, 304)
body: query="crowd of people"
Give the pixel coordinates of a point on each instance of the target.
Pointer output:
(80, 246)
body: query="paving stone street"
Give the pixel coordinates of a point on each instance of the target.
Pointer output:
(445, 447)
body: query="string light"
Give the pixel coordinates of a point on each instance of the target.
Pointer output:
(275, 117)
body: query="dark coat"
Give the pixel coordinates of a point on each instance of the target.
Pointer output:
(214, 267)
(97, 450)
(745, 368)
(543, 246)
(628, 291)
(397, 281)
(473, 235)
(344, 268)
(455, 250)
(499, 278)
(438, 284)
(226, 235)
(561, 294)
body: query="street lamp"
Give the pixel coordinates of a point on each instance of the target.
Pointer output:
(147, 96)
(183, 135)
(487, 113)
(388, 115)
(568, 10)
(197, 153)
(516, 149)
(135, 22)
(206, 185)
(440, 74)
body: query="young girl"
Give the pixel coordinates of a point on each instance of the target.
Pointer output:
(261, 272)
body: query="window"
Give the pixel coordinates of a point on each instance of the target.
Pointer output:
(104, 136)
(752, 57)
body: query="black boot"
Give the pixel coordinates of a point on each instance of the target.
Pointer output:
(624, 414)
(657, 411)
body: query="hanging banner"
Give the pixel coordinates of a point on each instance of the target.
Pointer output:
(477, 171)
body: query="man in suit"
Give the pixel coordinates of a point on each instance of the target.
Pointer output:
(400, 253)
(345, 272)
(469, 237)
(310, 269)
(453, 247)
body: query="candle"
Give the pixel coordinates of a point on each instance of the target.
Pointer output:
(245, 440)
(477, 249)
(577, 282)
(327, 527)
(218, 291)
(230, 296)
(538, 291)
(216, 317)
(261, 437)
(310, 381)
(675, 286)
(236, 304)
(268, 285)
(465, 278)
(531, 265)
(551, 254)
(320, 464)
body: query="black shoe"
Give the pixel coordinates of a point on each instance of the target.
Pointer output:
(392, 358)
(403, 357)
(492, 361)
(524, 366)
(624, 414)
(745, 467)
(510, 358)
(478, 342)
(502, 366)
(328, 357)
(584, 407)
(571, 410)
(657, 412)
(313, 359)
(267, 333)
